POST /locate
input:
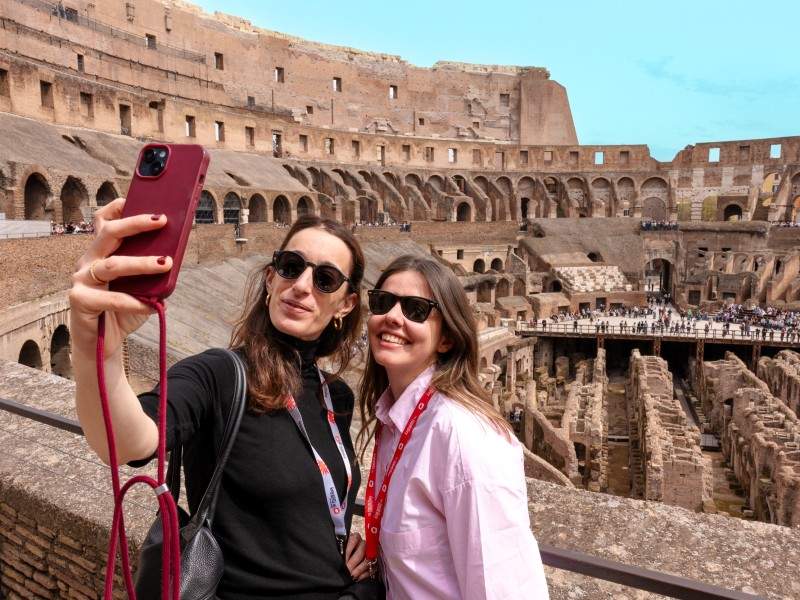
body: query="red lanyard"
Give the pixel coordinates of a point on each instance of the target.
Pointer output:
(373, 507)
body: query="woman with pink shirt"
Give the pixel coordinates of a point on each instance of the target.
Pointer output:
(446, 503)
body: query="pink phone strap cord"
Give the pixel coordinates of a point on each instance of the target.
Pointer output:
(171, 552)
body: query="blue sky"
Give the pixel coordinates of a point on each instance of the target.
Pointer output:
(661, 74)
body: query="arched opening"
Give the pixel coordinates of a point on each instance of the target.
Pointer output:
(657, 276)
(304, 207)
(484, 291)
(74, 200)
(524, 207)
(732, 212)
(479, 266)
(709, 209)
(654, 209)
(231, 208)
(205, 209)
(257, 209)
(281, 212)
(519, 287)
(484, 363)
(503, 288)
(595, 257)
(29, 355)
(368, 208)
(555, 286)
(464, 212)
(36, 194)
(60, 362)
(497, 265)
(105, 194)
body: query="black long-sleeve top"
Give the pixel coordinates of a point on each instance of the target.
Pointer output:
(272, 519)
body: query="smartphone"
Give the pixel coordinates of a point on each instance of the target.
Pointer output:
(167, 180)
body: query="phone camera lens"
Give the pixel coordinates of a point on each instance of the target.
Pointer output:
(149, 155)
(156, 168)
(162, 154)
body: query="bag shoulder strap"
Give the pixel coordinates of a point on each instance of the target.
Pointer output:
(208, 503)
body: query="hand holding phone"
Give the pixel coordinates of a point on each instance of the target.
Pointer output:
(138, 246)
(167, 181)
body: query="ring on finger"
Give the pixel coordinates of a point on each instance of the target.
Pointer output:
(97, 280)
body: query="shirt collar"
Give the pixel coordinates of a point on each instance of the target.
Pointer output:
(397, 413)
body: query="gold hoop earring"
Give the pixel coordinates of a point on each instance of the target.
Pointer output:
(337, 323)
(266, 302)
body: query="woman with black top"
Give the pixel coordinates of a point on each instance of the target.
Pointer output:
(278, 537)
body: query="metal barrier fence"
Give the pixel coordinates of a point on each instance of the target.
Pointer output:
(755, 335)
(73, 16)
(558, 558)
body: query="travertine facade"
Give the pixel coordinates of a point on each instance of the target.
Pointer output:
(782, 375)
(762, 443)
(669, 465)
(566, 423)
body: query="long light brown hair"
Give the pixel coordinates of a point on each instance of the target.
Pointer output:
(456, 371)
(272, 364)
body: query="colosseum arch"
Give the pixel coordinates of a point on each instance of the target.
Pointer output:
(414, 180)
(626, 196)
(368, 208)
(578, 196)
(508, 208)
(437, 182)
(655, 187)
(520, 288)
(503, 289)
(206, 209)
(603, 196)
(461, 183)
(732, 212)
(232, 208)
(105, 194)
(37, 192)
(281, 210)
(30, 355)
(257, 209)
(497, 265)
(74, 201)
(529, 204)
(60, 361)
(464, 212)
(305, 206)
(654, 209)
(479, 266)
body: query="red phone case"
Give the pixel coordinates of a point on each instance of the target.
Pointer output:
(175, 193)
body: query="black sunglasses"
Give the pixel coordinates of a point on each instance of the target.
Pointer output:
(290, 265)
(414, 308)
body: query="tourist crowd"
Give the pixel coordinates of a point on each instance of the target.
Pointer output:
(787, 224)
(659, 225)
(71, 227)
(769, 323)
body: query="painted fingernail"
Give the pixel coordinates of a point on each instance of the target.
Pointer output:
(162, 260)
(156, 217)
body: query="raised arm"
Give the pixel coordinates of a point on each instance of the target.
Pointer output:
(136, 434)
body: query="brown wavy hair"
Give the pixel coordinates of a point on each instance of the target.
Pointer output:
(272, 364)
(456, 371)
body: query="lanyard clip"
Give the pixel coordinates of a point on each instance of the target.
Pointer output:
(340, 541)
(372, 568)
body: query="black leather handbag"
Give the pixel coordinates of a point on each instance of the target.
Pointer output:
(202, 563)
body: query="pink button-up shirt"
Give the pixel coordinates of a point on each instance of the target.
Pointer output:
(456, 522)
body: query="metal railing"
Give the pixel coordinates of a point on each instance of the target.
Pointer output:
(71, 15)
(712, 335)
(558, 558)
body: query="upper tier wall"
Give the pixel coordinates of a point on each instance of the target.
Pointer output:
(179, 53)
